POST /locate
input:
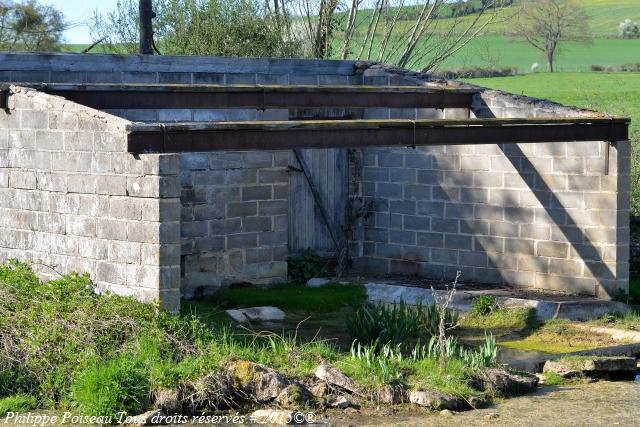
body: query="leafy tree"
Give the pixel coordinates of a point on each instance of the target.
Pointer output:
(30, 26)
(196, 27)
(546, 24)
(629, 29)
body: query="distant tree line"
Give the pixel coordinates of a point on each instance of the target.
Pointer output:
(30, 26)
(469, 7)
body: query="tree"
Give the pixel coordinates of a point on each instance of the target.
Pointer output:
(393, 31)
(546, 24)
(30, 26)
(629, 29)
(197, 27)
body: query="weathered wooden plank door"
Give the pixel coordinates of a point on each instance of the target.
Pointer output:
(329, 172)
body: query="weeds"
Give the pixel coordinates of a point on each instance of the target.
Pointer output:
(629, 321)
(396, 324)
(484, 305)
(306, 265)
(119, 384)
(17, 403)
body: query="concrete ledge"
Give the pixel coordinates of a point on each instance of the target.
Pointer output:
(578, 309)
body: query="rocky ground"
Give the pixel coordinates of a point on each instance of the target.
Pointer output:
(601, 403)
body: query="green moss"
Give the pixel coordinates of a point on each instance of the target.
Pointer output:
(506, 319)
(553, 379)
(243, 373)
(560, 336)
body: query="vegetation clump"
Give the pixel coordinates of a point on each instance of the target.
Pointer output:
(396, 324)
(501, 318)
(63, 346)
(484, 305)
(304, 266)
(629, 321)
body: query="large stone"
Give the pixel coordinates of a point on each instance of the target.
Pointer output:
(295, 395)
(319, 388)
(569, 367)
(256, 314)
(212, 391)
(433, 400)
(317, 282)
(333, 376)
(392, 394)
(341, 403)
(257, 382)
(505, 382)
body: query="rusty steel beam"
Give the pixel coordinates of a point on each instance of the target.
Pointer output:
(115, 97)
(194, 137)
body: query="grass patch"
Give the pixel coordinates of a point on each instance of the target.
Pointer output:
(553, 379)
(119, 384)
(17, 403)
(501, 319)
(629, 321)
(292, 297)
(559, 336)
(453, 379)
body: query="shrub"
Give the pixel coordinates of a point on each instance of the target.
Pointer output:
(477, 73)
(484, 305)
(629, 29)
(306, 265)
(17, 403)
(628, 68)
(396, 324)
(120, 384)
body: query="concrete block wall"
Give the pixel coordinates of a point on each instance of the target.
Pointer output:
(234, 219)
(232, 209)
(531, 215)
(72, 199)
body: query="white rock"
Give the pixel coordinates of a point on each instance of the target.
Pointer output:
(335, 377)
(259, 314)
(316, 282)
(341, 403)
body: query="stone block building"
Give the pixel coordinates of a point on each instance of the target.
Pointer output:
(165, 176)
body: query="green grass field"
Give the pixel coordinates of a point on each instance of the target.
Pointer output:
(612, 93)
(499, 51)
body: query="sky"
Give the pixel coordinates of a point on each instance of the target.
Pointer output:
(79, 13)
